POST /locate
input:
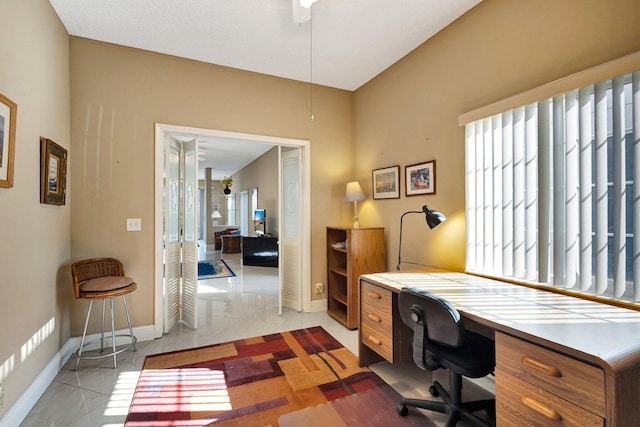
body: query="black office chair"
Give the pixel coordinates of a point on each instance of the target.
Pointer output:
(441, 341)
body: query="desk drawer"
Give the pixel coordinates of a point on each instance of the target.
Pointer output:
(377, 341)
(376, 297)
(577, 382)
(519, 403)
(376, 319)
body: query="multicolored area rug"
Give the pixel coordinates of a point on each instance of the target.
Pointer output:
(214, 268)
(297, 378)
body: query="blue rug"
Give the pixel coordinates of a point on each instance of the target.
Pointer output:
(214, 268)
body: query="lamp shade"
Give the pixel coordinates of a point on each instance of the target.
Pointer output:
(433, 217)
(216, 214)
(354, 192)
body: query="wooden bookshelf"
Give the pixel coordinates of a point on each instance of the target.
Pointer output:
(350, 253)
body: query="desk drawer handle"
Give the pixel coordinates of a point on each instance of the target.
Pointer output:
(374, 340)
(552, 371)
(374, 318)
(541, 408)
(375, 295)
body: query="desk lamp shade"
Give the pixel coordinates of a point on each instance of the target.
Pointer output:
(354, 193)
(433, 218)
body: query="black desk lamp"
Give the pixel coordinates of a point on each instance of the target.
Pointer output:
(433, 219)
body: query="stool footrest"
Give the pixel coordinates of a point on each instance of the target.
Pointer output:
(130, 345)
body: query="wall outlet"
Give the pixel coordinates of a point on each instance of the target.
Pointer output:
(134, 224)
(319, 288)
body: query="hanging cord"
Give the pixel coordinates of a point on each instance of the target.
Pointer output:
(311, 62)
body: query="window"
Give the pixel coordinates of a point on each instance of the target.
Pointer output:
(553, 191)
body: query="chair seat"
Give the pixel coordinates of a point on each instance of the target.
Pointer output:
(106, 287)
(476, 358)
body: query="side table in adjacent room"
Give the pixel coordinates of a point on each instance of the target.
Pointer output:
(231, 243)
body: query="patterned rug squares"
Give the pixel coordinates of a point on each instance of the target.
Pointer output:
(303, 377)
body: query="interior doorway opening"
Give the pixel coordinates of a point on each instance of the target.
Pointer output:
(161, 132)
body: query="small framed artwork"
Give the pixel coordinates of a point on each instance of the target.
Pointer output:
(420, 178)
(386, 183)
(53, 172)
(8, 111)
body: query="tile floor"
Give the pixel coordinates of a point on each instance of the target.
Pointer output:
(228, 308)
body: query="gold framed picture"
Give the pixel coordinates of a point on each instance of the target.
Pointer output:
(8, 111)
(53, 172)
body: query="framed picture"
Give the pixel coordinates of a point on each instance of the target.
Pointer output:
(420, 178)
(386, 183)
(8, 111)
(53, 172)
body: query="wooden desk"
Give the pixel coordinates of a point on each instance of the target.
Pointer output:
(557, 356)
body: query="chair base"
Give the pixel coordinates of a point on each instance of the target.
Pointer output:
(114, 350)
(451, 405)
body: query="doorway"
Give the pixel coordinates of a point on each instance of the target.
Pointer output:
(161, 132)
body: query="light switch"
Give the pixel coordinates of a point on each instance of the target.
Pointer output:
(134, 224)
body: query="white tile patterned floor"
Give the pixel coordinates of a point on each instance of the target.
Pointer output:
(228, 308)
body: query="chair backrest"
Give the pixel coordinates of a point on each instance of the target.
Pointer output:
(441, 321)
(92, 269)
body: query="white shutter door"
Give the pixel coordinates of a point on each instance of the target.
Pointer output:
(190, 235)
(291, 236)
(172, 234)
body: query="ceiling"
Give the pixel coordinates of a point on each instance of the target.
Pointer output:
(224, 156)
(344, 45)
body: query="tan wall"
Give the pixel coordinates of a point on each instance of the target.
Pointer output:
(35, 289)
(118, 94)
(262, 173)
(409, 113)
(406, 115)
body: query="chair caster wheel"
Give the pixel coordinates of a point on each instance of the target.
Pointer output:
(434, 391)
(402, 410)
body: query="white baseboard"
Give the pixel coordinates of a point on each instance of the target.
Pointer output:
(16, 414)
(318, 305)
(143, 333)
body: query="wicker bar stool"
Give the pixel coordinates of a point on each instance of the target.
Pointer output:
(102, 279)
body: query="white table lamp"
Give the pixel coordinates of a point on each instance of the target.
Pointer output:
(216, 216)
(354, 193)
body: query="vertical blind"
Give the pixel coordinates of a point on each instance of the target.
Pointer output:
(553, 191)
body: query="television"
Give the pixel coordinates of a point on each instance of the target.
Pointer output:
(259, 221)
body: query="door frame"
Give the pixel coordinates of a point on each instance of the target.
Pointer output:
(162, 129)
